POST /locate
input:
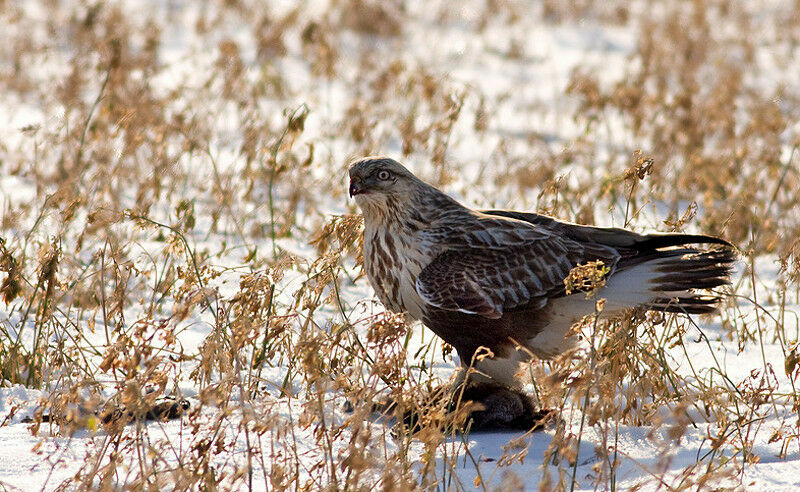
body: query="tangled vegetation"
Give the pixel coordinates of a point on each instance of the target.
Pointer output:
(174, 221)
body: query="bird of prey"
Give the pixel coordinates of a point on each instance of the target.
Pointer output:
(495, 278)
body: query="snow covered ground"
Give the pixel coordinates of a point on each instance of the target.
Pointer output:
(132, 126)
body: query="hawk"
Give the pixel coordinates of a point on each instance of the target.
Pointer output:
(495, 278)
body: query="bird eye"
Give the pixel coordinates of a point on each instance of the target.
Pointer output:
(384, 175)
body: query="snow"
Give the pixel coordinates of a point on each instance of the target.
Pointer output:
(527, 99)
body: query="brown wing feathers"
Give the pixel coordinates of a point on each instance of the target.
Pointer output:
(485, 282)
(503, 265)
(492, 280)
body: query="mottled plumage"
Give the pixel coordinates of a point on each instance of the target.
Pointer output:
(496, 278)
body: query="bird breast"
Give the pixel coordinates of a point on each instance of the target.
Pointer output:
(392, 264)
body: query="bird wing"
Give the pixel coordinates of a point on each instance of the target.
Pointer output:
(503, 265)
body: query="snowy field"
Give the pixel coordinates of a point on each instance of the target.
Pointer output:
(175, 222)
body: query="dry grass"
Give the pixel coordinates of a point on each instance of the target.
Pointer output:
(170, 197)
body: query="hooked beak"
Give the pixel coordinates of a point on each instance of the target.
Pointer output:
(355, 188)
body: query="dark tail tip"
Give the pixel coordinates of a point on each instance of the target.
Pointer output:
(686, 304)
(683, 271)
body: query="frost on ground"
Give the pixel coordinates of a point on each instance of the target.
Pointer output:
(175, 222)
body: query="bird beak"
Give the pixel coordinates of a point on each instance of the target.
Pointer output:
(355, 188)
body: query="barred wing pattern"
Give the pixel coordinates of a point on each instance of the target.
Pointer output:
(480, 274)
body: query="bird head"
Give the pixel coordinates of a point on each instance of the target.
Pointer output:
(375, 180)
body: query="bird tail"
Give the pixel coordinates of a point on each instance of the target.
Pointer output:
(668, 280)
(679, 273)
(662, 271)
